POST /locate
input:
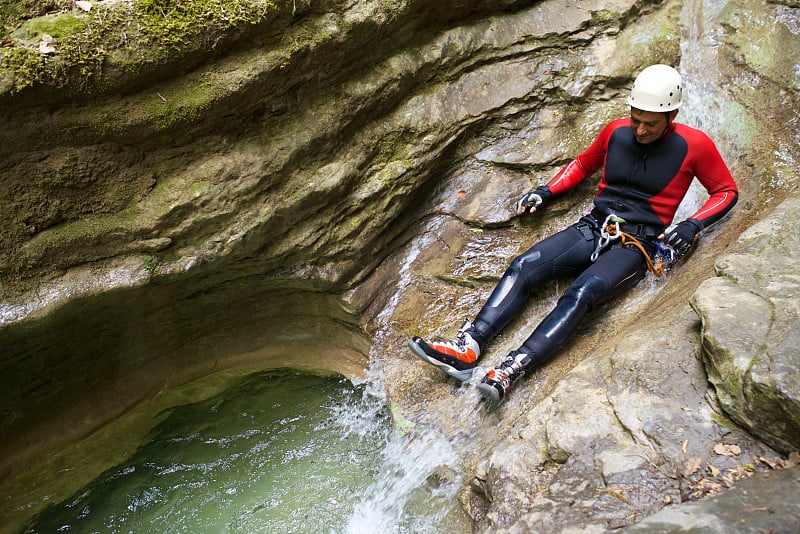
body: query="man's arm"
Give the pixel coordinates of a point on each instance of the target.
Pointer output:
(577, 170)
(713, 174)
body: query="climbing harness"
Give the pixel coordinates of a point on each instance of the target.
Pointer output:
(609, 231)
(666, 258)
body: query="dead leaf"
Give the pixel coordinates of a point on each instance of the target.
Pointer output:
(7, 42)
(691, 466)
(713, 470)
(706, 487)
(45, 47)
(461, 195)
(86, 6)
(616, 493)
(685, 444)
(724, 449)
(772, 464)
(741, 471)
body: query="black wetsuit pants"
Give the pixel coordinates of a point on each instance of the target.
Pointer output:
(566, 253)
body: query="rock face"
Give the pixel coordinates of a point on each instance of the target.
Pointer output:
(751, 329)
(355, 164)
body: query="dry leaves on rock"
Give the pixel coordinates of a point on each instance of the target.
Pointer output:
(691, 466)
(713, 480)
(724, 449)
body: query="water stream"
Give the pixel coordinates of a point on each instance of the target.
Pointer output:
(278, 451)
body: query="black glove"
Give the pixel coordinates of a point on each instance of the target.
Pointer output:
(534, 200)
(682, 237)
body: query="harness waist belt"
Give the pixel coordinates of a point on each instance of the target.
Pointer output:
(641, 230)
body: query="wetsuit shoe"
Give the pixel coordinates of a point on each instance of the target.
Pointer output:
(457, 358)
(495, 385)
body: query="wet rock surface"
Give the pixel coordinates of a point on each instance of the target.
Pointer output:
(751, 329)
(386, 175)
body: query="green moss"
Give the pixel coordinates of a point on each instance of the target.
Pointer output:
(10, 13)
(141, 33)
(723, 421)
(603, 16)
(58, 26)
(25, 65)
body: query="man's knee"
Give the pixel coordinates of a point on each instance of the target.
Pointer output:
(585, 291)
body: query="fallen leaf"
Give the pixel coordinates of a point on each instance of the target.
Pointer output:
(776, 464)
(45, 48)
(706, 487)
(742, 471)
(7, 42)
(691, 466)
(685, 444)
(713, 470)
(86, 6)
(724, 449)
(616, 493)
(462, 194)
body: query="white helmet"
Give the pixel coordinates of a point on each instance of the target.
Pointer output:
(657, 88)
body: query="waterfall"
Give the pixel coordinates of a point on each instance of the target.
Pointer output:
(704, 96)
(408, 494)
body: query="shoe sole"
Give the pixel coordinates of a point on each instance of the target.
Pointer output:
(491, 393)
(463, 376)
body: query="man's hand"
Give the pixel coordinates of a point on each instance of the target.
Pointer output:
(529, 202)
(534, 200)
(683, 236)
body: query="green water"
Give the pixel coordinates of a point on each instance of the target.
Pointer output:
(268, 455)
(279, 452)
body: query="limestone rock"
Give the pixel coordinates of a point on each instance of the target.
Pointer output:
(751, 328)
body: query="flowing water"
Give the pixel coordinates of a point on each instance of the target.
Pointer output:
(279, 451)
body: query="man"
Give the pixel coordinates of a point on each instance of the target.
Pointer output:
(648, 163)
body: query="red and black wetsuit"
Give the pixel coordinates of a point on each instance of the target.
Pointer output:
(642, 184)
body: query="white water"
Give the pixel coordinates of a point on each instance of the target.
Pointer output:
(411, 463)
(415, 489)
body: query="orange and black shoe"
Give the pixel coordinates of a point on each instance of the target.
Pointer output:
(495, 385)
(457, 358)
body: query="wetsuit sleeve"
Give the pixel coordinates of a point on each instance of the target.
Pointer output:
(713, 174)
(586, 164)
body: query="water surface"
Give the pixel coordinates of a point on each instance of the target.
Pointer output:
(280, 451)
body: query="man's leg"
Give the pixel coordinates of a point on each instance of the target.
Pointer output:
(614, 272)
(566, 252)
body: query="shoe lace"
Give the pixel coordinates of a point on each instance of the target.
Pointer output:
(511, 368)
(461, 340)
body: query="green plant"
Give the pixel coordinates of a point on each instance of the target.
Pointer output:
(151, 263)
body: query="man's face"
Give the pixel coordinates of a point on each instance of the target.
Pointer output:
(647, 126)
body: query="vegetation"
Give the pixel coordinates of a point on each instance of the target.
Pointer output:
(73, 43)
